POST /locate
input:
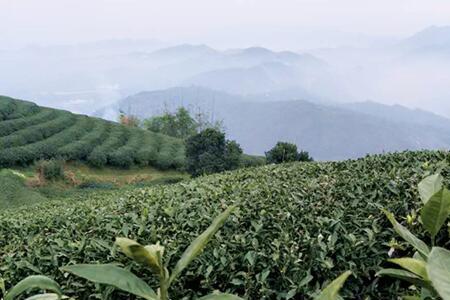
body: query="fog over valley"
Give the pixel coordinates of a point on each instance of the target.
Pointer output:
(385, 76)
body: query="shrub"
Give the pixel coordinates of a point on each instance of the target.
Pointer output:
(81, 148)
(304, 156)
(233, 154)
(252, 160)
(51, 169)
(101, 154)
(125, 156)
(208, 152)
(286, 152)
(38, 132)
(97, 158)
(10, 126)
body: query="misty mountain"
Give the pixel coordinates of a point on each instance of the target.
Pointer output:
(431, 39)
(413, 71)
(399, 113)
(328, 132)
(83, 78)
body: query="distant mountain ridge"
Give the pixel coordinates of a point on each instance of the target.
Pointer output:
(328, 132)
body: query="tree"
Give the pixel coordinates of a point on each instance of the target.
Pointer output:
(233, 155)
(304, 156)
(180, 124)
(286, 152)
(208, 152)
(185, 124)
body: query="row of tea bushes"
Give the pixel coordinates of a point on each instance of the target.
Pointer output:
(296, 226)
(29, 132)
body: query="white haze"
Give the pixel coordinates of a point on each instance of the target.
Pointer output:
(82, 55)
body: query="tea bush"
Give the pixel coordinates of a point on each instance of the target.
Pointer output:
(81, 148)
(9, 126)
(51, 169)
(297, 226)
(12, 109)
(37, 132)
(125, 156)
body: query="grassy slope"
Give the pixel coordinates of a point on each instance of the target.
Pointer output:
(293, 220)
(14, 192)
(17, 189)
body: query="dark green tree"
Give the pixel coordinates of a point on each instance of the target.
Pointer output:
(209, 152)
(286, 152)
(304, 156)
(180, 124)
(233, 155)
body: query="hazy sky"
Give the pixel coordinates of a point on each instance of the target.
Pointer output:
(224, 23)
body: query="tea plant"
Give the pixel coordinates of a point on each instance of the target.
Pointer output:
(429, 268)
(297, 226)
(151, 256)
(29, 133)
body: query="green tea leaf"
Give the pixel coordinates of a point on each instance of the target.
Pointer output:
(415, 266)
(430, 186)
(438, 269)
(146, 256)
(197, 246)
(436, 211)
(2, 286)
(34, 282)
(221, 297)
(115, 276)
(44, 297)
(331, 291)
(407, 235)
(411, 298)
(402, 274)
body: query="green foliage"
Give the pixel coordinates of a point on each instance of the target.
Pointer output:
(252, 161)
(429, 271)
(233, 154)
(298, 225)
(180, 124)
(29, 133)
(10, 126)
(11, 109)
(14, 192)
(35, 282)
(438, 270)
(332, 290)
(286, 152)
(208, 152)
(52, 169)
(150, 256)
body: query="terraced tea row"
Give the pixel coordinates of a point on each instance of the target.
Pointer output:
(29, 133)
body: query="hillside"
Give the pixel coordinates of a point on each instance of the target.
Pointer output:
(327, 131)
(29, 132)
(297, 225)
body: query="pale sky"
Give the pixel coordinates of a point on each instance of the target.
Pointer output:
(226, 23)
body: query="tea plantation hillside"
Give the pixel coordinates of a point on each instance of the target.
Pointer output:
(296, 227)
(29, 132)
